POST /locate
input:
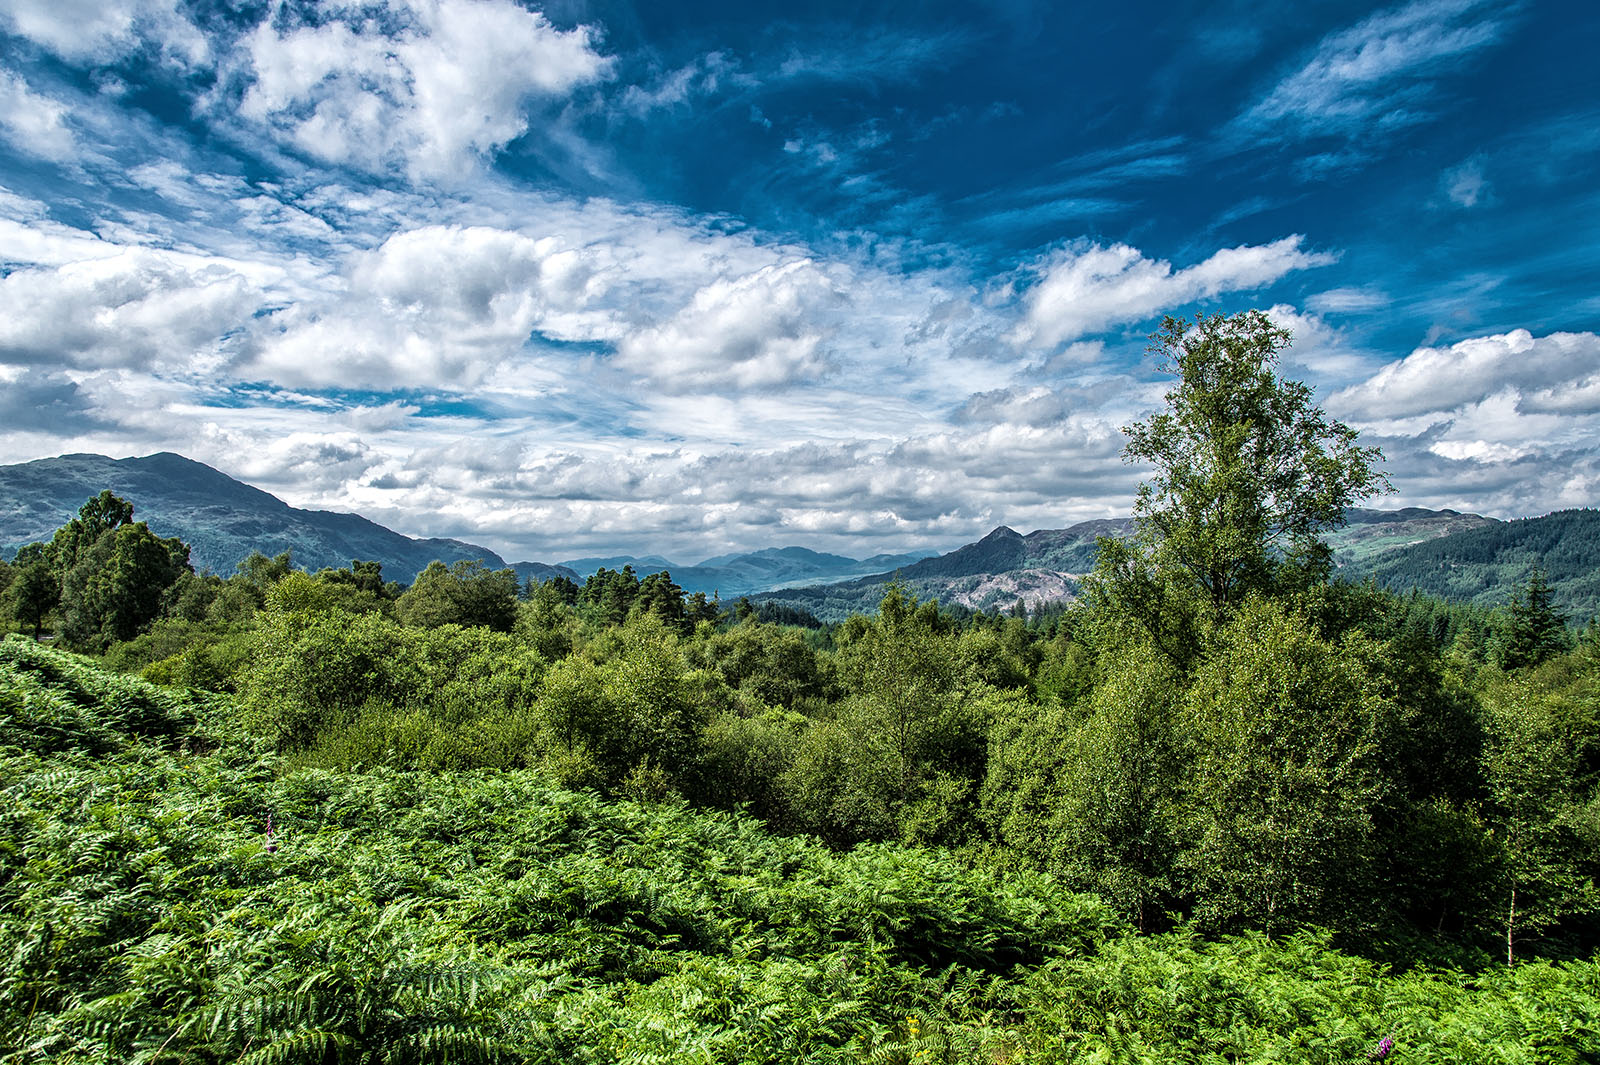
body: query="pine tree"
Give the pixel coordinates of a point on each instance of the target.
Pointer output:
(1535, 629)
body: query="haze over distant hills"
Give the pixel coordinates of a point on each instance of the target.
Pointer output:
(1465, 557)
(223, 520)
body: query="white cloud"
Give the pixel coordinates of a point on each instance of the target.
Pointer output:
(1374, 76)
(1319, 354)
(1082, 291)
(102, 29)
(1506, 424)
(676, 88)
(446, 90)
(480, 282)
(762, 330)
(439, 307)
(1347, 301)
(33, 123)
(136, 307)
(1443, 379)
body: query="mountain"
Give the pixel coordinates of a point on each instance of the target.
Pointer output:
(1006, 567)
(995, 573)
(1464, 557)
(1369, 533)
(539, 572)
(642, 567)
(1485, 563)
(731, 576)
(221, 519)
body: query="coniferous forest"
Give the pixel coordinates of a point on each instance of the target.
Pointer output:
(1222, 808)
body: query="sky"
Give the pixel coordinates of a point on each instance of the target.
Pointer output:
(686, 279)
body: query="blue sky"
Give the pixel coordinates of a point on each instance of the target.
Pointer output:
(693, 278)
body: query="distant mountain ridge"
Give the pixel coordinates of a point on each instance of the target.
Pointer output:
(730, 576)
(1466, 557)
(221, 519)
(1454, 555)
(995, 573)
(1483, 564)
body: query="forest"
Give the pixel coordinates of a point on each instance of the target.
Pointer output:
(1222, 808)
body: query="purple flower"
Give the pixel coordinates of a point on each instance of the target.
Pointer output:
(1385, 1045)
(272, 842)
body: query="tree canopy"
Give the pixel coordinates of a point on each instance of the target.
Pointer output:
(1247, 473)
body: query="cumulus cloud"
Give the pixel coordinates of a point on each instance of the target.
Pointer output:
(311, 461)
(1086, 290)
(1442, 379)
(136, 307)
(1504, 424)
(33, 123)
(479, 274)
(1378, 74)
(761, 330)
(447, 88)
(439, 306)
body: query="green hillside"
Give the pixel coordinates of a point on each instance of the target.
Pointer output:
(1006, 567)
(1484, 565)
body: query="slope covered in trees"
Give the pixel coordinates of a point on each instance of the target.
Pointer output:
(1480, 566)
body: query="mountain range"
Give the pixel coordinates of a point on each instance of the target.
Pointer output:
(1466, 557)
(223, 520)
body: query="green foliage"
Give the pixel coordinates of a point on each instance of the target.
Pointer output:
(601, 721)
(546, 620)
(1542, 764)
(1091, 792)
(34, 590)
(776, 666)
(744, 762)
(53, 703)
(413, 915)
(361, 689)
(1178, 999)
(1286, 770)
(467, 593)
(1534, 629)
(1248, 473)
(903, 753)
(148, 911)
